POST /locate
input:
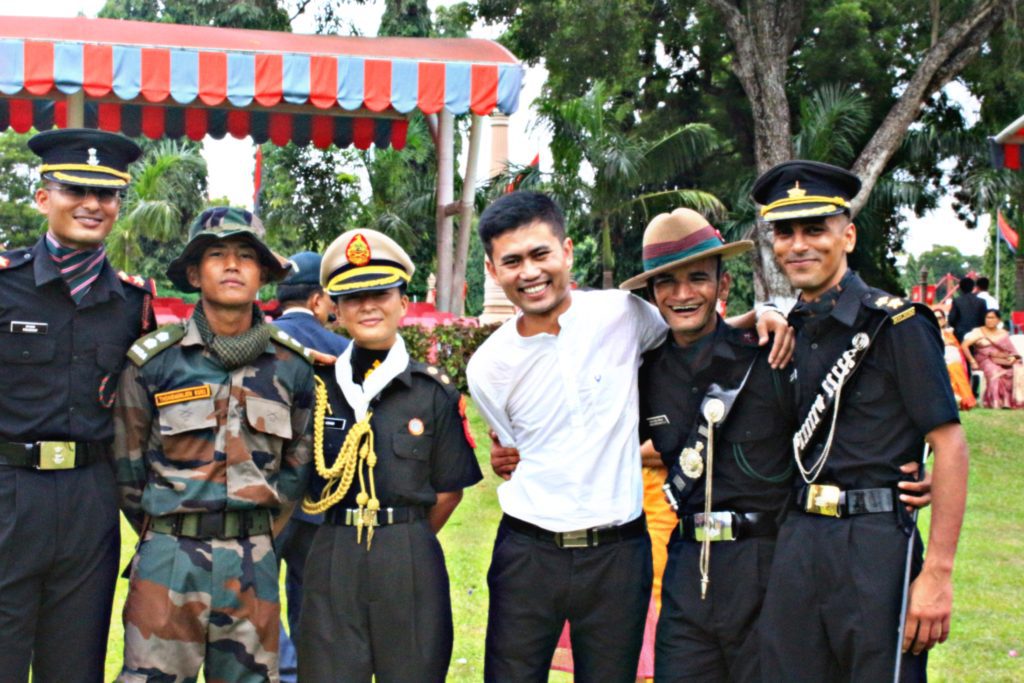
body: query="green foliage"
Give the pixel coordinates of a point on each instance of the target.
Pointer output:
(20, 222)
(940, 260)
(253, 14)
(449, 347)
(168, 190)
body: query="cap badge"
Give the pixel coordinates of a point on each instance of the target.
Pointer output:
(415, 426)
(796, 192)
(92, 160)
(358, 251)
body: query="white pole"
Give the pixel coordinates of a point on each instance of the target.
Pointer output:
(998, 249)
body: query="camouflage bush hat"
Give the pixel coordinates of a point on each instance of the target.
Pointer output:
(218, 223)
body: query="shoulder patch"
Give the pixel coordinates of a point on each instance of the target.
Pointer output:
(145, 348)
(144, 283)
(286, 340)
(15, 258)
(897, 308)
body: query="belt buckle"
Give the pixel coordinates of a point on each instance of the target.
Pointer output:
(719, 529)
(56, 455)
(211, 525)
(573, 539)
(823, 499)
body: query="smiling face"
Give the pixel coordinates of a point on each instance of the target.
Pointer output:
(533, 267)
(371, 318)
(812, 251)
(228, 274)
(79, 217)
(687, 297)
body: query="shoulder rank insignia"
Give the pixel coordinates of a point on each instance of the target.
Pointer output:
(148, 284)
(153, 343)
(285, 339)
(892, 302)
(903, 315)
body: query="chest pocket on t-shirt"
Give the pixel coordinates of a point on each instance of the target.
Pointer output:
(411, 470)
(186, 430)
(605, 391)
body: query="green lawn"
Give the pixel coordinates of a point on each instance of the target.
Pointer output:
(988, 610)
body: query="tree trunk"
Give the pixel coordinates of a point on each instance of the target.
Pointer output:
(607, 256)
(763, 39)
(458, 298)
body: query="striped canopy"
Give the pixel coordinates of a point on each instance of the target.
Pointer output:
(168, 80)
(1005, 147)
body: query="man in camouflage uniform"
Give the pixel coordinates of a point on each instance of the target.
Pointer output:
(211, 446)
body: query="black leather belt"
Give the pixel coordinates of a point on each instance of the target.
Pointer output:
(385, 516)
(832, 501)
(224, 524)
(53, 455)
(727, 525)
(582, 538)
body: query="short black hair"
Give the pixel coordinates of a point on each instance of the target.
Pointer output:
(966, 284)
(516, 210)
(982, 283)
(296, 293)
(996, 311)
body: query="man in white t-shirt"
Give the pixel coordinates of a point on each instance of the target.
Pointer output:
(559, 383)
(982, 291)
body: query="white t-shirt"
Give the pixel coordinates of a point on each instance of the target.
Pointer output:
(568, 402)
(989, 300)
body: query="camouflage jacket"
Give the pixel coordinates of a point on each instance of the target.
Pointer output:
(192, 436)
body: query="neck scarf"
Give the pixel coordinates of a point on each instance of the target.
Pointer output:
(359, 396)
(823, 305)
(78, 267)
(242, 349)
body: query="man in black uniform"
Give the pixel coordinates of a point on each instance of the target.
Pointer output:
(66, 320)
(393, 452)
(871, 389)
(712, 636)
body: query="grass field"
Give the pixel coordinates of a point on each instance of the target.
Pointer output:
(988, 620)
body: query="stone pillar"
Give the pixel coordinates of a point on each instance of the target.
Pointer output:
(497, 307)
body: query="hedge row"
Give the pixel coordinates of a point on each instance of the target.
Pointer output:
(449, 347)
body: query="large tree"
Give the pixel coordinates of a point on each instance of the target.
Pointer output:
(745, 67)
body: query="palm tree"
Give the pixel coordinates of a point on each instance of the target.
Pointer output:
(168, 188)
(632, 174)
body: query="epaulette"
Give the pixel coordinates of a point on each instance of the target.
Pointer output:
(286, 340)
(143, 350)
(146, 284)
(897, 308)
(15, 258)
(434, 373)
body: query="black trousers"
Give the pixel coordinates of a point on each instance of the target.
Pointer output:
(384, 612)
(832, 607)
(715, 639)
(292, 547)
(59, 545)
(536, 586)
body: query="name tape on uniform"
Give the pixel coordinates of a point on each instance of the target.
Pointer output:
(166, 398)
(25, 327)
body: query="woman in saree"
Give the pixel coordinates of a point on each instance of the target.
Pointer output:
(955, 364)
(989, 348)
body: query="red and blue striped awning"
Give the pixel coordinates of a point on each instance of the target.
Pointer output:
(168, 80)
(1005, 147)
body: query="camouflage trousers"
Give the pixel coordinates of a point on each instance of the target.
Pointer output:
(210, 604)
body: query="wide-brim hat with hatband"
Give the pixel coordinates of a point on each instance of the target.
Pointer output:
(675, 239)
(85, 157)
(364, 260)
(804, 189)
(220, 223)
